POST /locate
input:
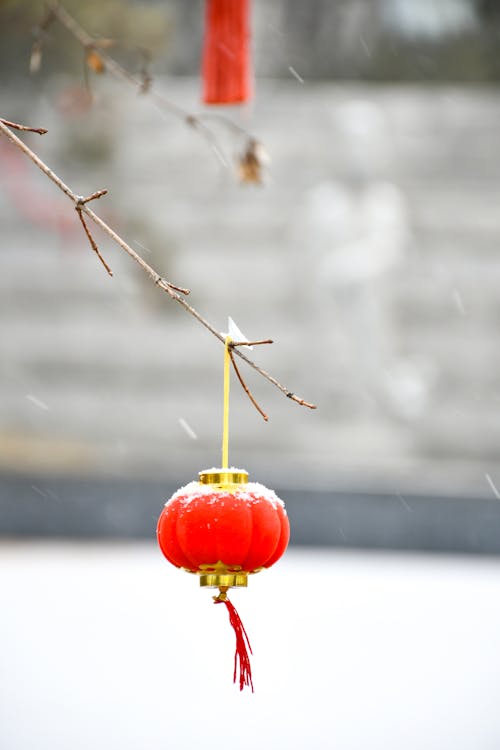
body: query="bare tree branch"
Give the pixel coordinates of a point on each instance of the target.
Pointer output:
(143, 83)
(172, 290)
(79, 201)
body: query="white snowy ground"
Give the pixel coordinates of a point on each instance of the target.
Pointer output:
(106, 646)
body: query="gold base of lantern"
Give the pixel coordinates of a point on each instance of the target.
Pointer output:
(223, 478)
(224, 580)
(218, 575)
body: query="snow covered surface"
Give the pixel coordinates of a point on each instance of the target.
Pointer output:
(250, 491)
(106, 646)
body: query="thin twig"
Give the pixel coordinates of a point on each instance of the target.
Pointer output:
(93, 244)
(245, 387)
(300, 400)
(17, 126)
(168, 287)
(92, 197)
(250, 343)
(39, 34)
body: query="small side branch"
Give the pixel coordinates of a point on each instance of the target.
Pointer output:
(93, 244)
(299, 400)
(17, 126)
(245, 387)
(289, 394)
(250, 343)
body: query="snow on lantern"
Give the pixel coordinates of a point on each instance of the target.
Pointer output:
(224, 528)
(226, 63)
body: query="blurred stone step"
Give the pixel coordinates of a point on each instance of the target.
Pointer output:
(471, 435)
(457, 208)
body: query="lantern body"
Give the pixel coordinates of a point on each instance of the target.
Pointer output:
(223, 531)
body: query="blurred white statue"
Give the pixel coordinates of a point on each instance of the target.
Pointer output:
(356, 238)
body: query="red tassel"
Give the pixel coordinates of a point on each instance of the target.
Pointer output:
(226, 52)
(241, 653)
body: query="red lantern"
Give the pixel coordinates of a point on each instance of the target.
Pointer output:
(224, 528)
(226, 65)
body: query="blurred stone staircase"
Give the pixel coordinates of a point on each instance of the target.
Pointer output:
(371, 257)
